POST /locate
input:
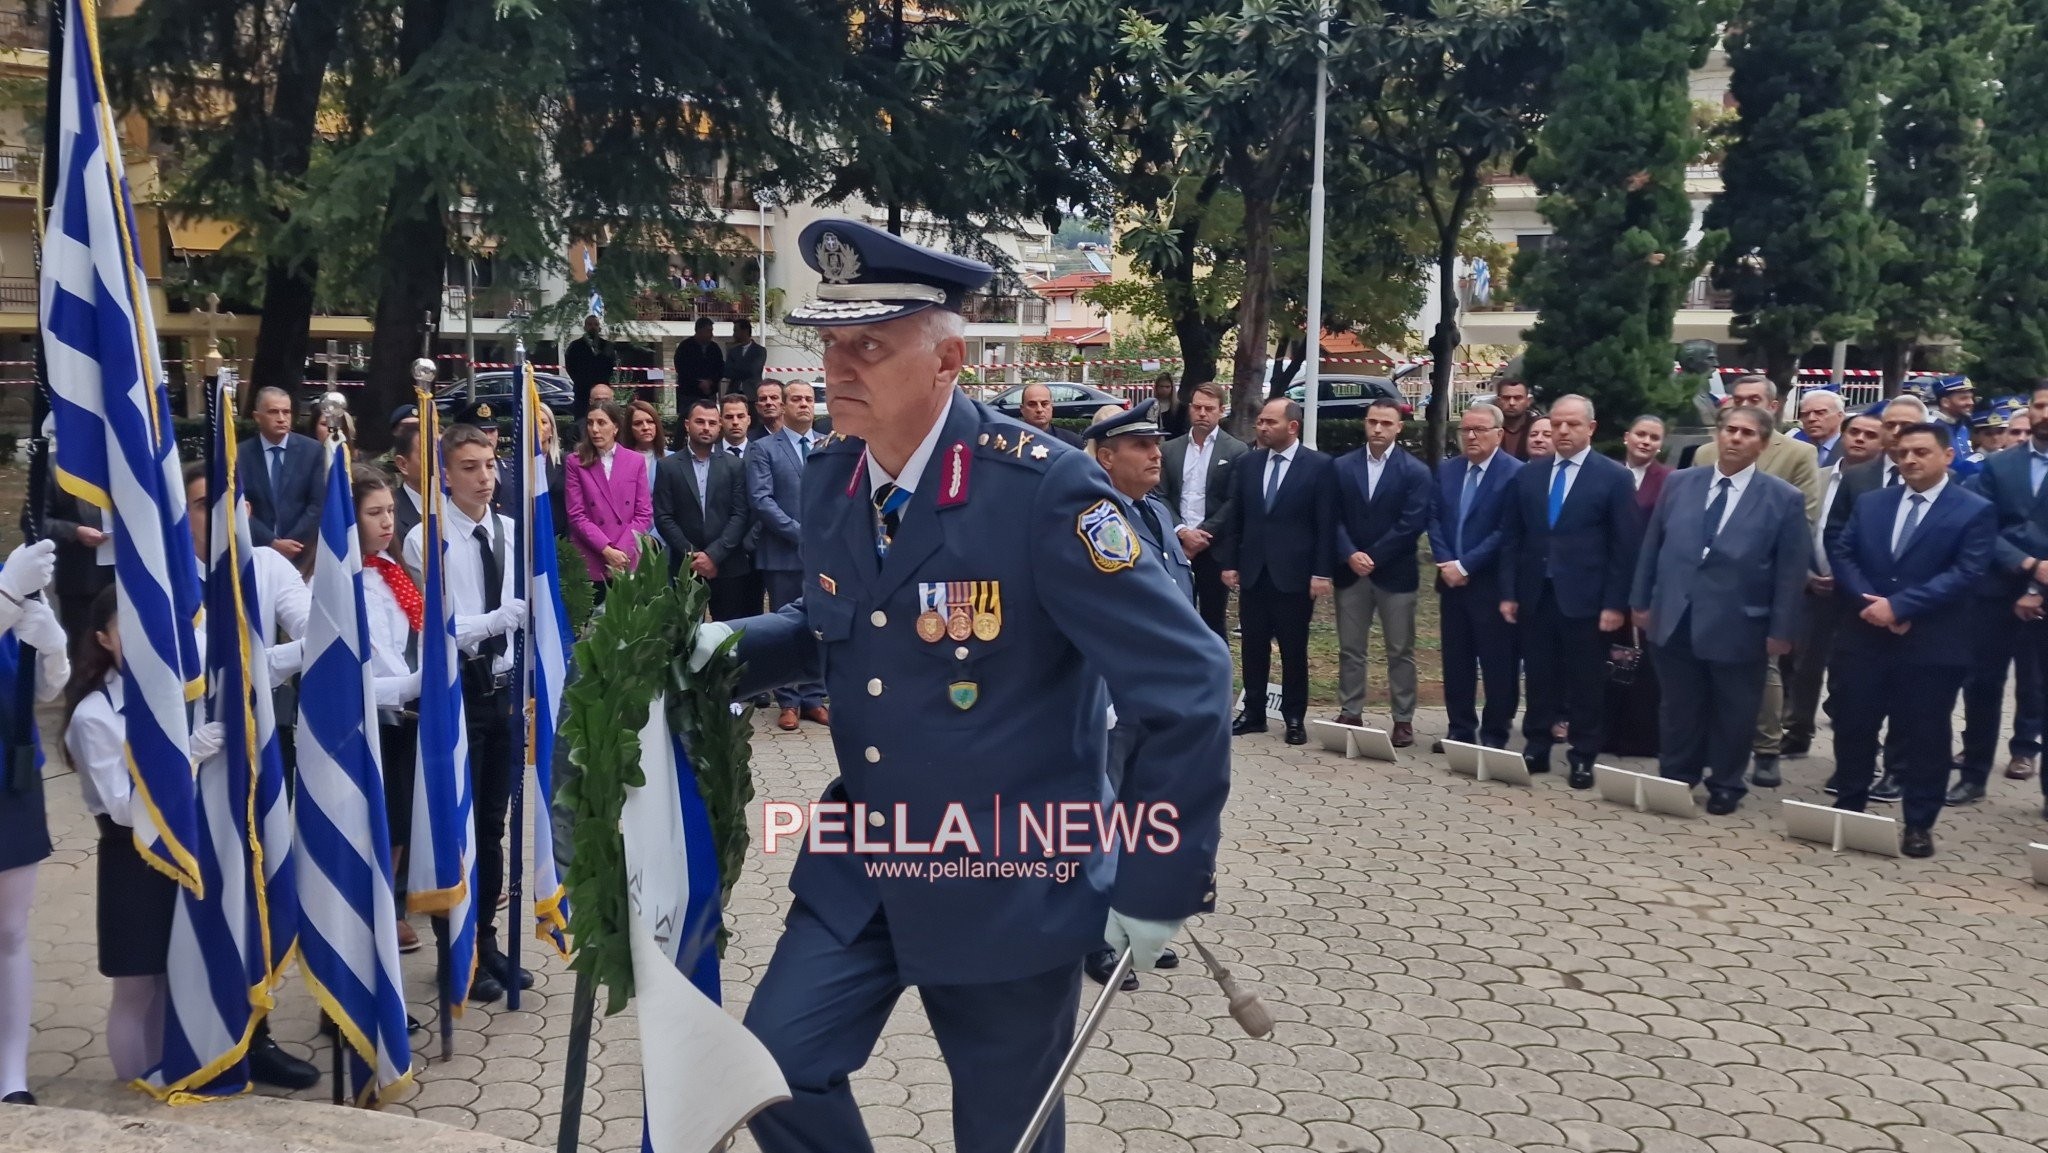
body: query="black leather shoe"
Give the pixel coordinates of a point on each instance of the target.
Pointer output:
(484, 988)
(1582, 773)
(1917, 842)
(2044, 810)
(1794, 748)
(1964, 793)
(22, 1097)
(1765, 774)
(1721, 802)
(489, 958)
(1297, 733)
(1886, 789)
(270, 1065)
(1831, 788)
(1247, 724)
(1538, 760)
(1168, 959)
(1101, 963)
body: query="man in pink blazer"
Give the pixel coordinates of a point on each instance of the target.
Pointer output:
(609, 500)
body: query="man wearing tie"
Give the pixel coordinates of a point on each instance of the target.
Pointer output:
(1277, 552)
(1465, 537)
(1861, 440)
(283, 477)
(734, 425)
(775, 488)
(1572, 534)
(1906, 564)
(1717, 590)
(1382, 509)
(1820, 425)
(2007, 611)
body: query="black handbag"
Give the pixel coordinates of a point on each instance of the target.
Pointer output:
(1624, 659)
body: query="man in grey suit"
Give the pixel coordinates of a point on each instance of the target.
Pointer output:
(701, 512)
(775, 488)
(1717, 590)
(1194, 479)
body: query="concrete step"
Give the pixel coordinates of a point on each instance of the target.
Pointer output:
(242, 1125)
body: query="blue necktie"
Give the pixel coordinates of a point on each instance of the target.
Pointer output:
(1465, 496)
(1557, 489)
(1918, 505)
(276, 466)
(1273, 479)
(803, 447)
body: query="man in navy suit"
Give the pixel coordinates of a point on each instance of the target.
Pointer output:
(1717, 592)
(1382, 509)
(283, 475)
(775, 486)
(2006, 613)
(1277, 552)
(1465, 538)
(1572, 533)
(1906, 564)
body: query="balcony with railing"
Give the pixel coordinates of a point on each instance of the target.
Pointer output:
(21, 30)
(495, 303)
(21, 167)
(986, 308)
(17, 294)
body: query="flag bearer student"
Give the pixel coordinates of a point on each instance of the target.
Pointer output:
(392, 605)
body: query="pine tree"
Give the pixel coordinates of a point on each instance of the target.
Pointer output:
(2012, 219)
(1801, 255)
(1611, 164)
(1929, 157)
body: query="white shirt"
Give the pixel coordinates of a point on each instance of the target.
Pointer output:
(1737, 485)
(95, 742)
(390, 633)
(283, 602)
(463, 577)
(1277, 464)
(913, 469)
(1906, 506)
(1194, 481)
(1375, 467)
(605, 459)
(731, 449)
(1641, 473)
(1571, 475)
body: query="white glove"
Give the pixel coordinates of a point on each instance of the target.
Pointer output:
(710, 635)
(509, 617)
(28, 569)
(206, 741)
(286, 659)
(408, 687)
(39, 629)
(1146, 939)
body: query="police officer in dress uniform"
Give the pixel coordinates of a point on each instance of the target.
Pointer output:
(972, 587)
(1955, 399)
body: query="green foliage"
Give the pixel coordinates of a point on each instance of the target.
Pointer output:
(577, 591)
(1929, 157)
(2011, 349)
(1801, 258)
(634, 652)
(1611, 165)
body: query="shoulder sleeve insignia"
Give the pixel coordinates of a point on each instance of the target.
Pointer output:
(1111, 543)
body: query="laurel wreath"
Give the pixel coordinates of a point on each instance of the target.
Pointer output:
(633, 651)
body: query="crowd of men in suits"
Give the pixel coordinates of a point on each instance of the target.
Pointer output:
(1856, 568)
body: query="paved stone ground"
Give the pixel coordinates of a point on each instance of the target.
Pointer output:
(1455, 967)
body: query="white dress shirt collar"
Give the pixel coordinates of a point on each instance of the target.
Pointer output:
(1578, 459)
(913, 469)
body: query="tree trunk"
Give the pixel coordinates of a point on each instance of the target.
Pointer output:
(1248, 367)
(1896, 360)
(1197, 335)
(310, 42)
(1443, 346)
(1781, 365)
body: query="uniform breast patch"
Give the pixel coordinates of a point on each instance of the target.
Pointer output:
(1111, 543)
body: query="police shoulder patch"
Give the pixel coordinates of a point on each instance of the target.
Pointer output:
(1111, 543)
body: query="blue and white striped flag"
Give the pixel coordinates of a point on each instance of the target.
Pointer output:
(547, 641)
(348, 938)
(1482, 282)
(441, 862)
(590, 270)
(228, 947)
(115, 445)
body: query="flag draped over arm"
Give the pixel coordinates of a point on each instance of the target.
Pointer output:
(115, 446)
(228, 946)
(441, 861)
(547, 659)
(348, 939)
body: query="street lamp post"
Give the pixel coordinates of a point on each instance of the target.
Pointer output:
(1312, 326)
(765, 199)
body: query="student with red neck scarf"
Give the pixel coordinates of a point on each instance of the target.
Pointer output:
(393, 605)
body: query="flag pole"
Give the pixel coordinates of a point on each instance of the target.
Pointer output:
(582, 1013)
(430, 446)
(522, 673)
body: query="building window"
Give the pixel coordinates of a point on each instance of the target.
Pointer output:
(1063, 310)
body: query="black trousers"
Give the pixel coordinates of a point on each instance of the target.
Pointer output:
(1212, 597)
(733, 597)
(487, 715)
(1267, 615)
(1806, 669)
(2028, 700)
(1566, 660)
(1707, 719)
(1996, 637)
(1478, 646)
(1876, 686)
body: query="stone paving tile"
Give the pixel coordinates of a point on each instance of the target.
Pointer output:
(1455, 968)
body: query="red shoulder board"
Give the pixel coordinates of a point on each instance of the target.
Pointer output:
(958, 464)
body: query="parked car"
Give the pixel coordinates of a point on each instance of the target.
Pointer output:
(1069, 399)
(1346, 397)
(495, 389)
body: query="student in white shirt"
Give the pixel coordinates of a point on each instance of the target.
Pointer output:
(392, 604)
(24, 830)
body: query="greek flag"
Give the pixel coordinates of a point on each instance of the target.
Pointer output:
(228, 947)
(348, 939)
(115, 446)
(547, 657)
(441, 863)
(589, 270)
(1482, 282)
